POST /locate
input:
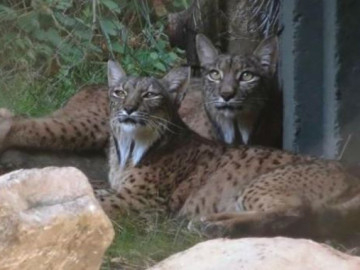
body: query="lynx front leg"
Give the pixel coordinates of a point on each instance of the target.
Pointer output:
(53, 133)
(126, 200)
(112, 205)
(81, 125)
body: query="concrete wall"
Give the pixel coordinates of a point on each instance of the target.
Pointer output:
(348, 78)
(320, 76)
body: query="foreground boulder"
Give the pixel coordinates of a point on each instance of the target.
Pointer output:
(50, 219)
(260, 254)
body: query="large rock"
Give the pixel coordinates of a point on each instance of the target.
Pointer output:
(50, 219)
(260, 254)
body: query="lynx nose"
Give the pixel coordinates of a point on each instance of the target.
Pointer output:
(227, 95)
(129, 109)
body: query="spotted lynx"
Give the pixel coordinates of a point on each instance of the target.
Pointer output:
(156, 161)
(241, 99)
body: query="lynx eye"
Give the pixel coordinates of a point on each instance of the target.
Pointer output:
(246, 76)
(150, 95)
(215, 75)
(119, 93)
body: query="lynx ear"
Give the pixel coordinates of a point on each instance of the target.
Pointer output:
(177, 81)
(267, 52)
(206, 51)
(115, 73)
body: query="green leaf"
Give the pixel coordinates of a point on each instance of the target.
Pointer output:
(53, 37)
(111, 5)
(83, 34)
(28, 22)
(82, 23)
(31, 55)
(154, 55)
(64, 19)
(161, 44)
(40, 34)
(63, 4)
(117, 47)
(45, 50)
(21, 43)
(172, 56)
(94, 48)
(65, 49)
(87, 12)
(160, 66)
(117, 24)
(7, 13)
(108, 27)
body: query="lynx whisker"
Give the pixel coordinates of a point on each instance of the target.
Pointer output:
(157, 118)
(164, 125)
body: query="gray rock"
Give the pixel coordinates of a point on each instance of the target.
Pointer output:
(260, 254)
(50, 219)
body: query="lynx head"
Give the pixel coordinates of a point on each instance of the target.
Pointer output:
(235, 83)
(143, 108)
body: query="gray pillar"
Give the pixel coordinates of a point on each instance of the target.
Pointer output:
(319, 59)
(348, 79)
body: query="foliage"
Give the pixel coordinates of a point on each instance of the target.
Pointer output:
(51, 47)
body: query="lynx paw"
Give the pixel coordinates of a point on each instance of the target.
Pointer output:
(6, 118)
(207, 229)
(228, 225)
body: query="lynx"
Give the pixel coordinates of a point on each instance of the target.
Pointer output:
(157, 162)
(240, 96)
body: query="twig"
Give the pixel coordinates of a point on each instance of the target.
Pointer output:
(94, 15)
(345, 146)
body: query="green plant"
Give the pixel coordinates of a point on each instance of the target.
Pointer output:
(51, 47)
